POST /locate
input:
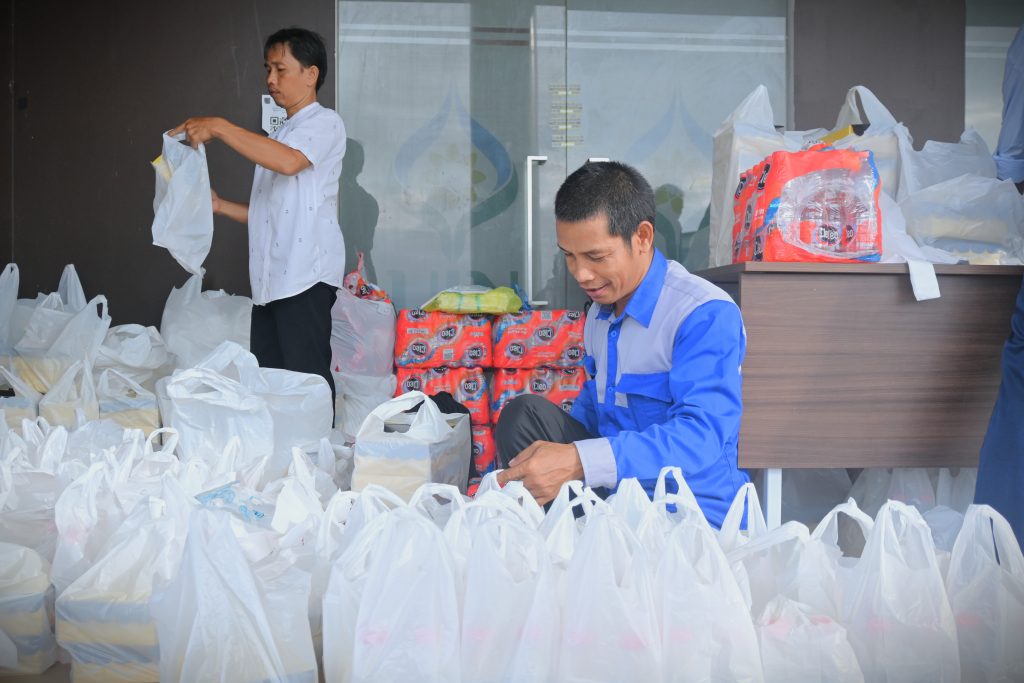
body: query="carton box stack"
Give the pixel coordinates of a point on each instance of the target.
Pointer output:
(485, 362)
(537, 352)
(437, 351)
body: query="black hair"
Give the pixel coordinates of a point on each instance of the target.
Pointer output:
(615, 189)
(306, 46)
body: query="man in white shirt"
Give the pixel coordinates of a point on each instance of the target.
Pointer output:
(296, 249)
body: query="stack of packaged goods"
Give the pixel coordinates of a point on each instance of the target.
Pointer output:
(448, 352)
(537, 352)
(818, 205)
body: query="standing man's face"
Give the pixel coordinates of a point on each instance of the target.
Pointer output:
(607, 270)
(290, 84)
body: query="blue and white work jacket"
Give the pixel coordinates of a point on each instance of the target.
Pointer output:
(663, 387)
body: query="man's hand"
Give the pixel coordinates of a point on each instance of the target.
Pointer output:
(543, 467)
(200, 129)
(215, 201)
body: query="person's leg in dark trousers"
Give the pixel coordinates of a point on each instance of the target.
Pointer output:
(1001, 463)
(263, 337)
(303, 331)
(530, 418)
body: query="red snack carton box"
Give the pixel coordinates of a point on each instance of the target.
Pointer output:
(467, 385)
(561, 386)
(485, 453)
(532, 339)
(430, 340)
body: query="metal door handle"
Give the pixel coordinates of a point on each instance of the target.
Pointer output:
(594, 160)
(529, 227)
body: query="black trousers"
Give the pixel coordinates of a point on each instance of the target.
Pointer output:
(295, 333)
(530, 418)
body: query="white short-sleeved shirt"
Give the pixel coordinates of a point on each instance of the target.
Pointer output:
(294, 237)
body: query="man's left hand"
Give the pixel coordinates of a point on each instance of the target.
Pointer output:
(543, 467)
(198, 129)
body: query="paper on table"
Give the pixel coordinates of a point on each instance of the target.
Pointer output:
(923, 280)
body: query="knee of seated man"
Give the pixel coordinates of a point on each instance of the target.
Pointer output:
(523, 406)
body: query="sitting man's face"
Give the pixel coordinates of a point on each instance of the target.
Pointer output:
(607, 269)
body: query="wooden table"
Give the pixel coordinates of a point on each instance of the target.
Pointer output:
(844, 368)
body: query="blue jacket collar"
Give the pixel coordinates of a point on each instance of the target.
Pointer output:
(641, 305)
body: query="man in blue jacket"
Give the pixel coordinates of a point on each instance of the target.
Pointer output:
(663, 355)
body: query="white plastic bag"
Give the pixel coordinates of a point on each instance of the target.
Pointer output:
(825, 571)
(362, 335)
(770, 564)
(746, 137)
(403, 613)
(27, 645)
(103, 618)
(219, 620)
(137, 352)
(182, 205)
(665, 512)
(402, 452)
(897, 616)
(799, 645)
(300, 407)
(126, 402)
(357, 396)
(883, 136)
(511, 612)
(9, 280)
(24, 405)
(938, 162)
(72, 397)
(977, 218)
(985, 585)
(745, 503)
(195, 322)
(54, 339)
(610, 626)
(707, 631)
(208, 410)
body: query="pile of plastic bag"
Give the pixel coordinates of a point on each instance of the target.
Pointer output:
(198, 567)
(941, 203)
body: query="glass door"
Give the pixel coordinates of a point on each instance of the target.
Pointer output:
(454, 114)
(465, 118)
(654, 79)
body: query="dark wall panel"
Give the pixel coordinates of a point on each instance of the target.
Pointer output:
(90, 109)
(910, 53)
(6, 64)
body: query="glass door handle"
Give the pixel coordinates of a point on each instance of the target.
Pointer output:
(530, 160)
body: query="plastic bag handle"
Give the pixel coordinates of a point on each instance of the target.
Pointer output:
(70, 289)
(19, 386)
(782, 534)
(428, 412)
(586, 500)
(683, 495)
(376, 492)
(885, 528)
(870, 110)
(168, 447)
(746, 500)
(105, 388)
(984, 526)
(445, 491)
(850, 509)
